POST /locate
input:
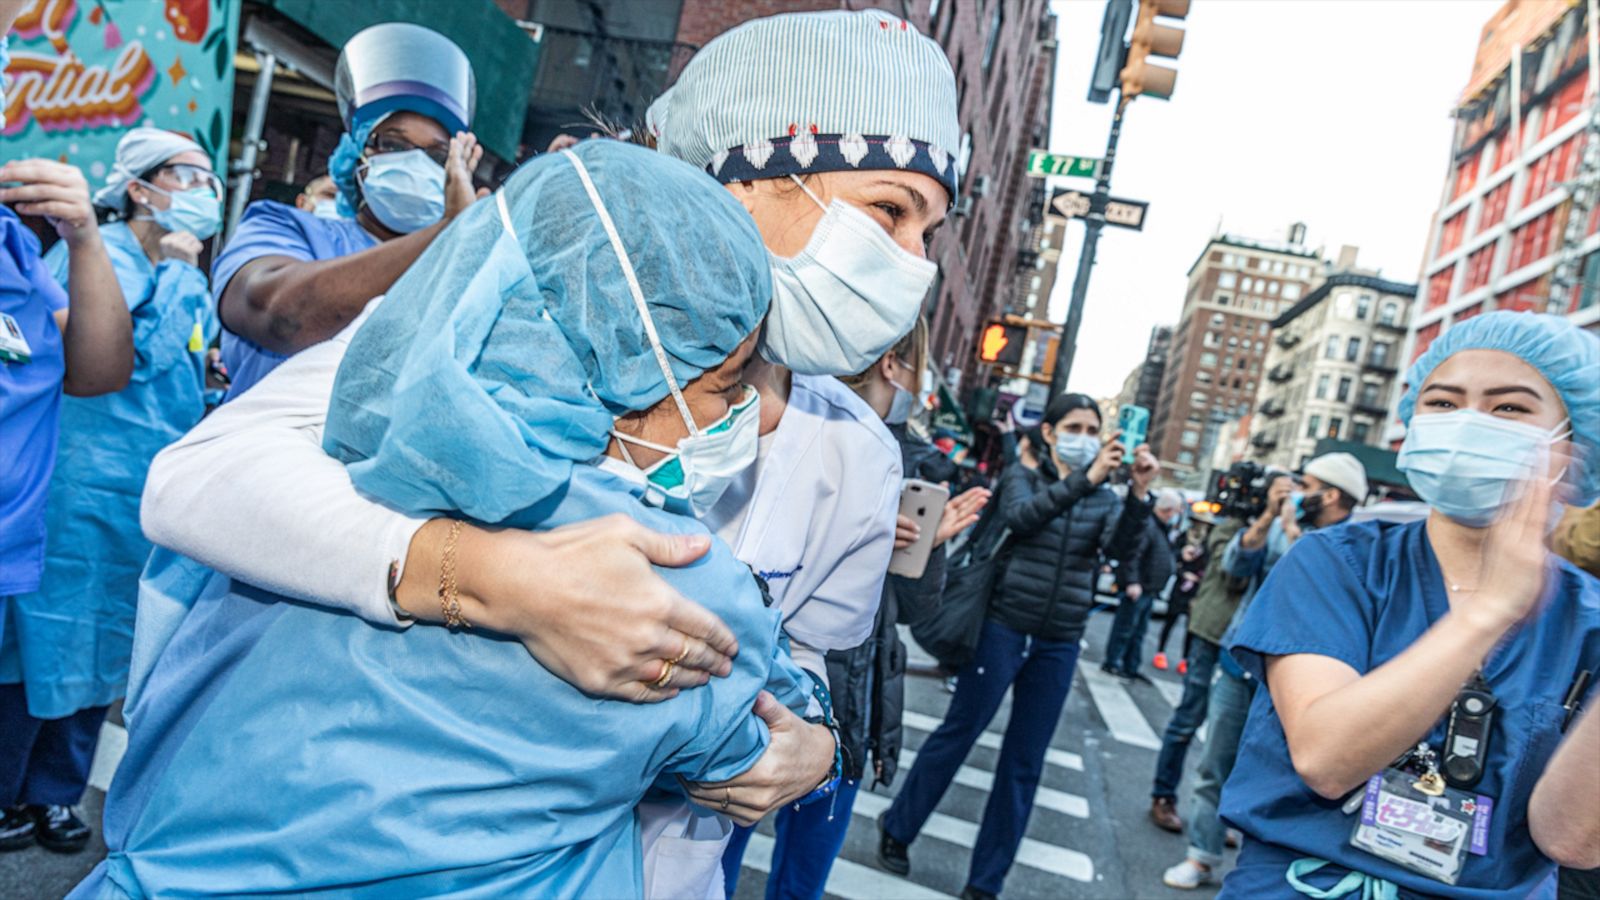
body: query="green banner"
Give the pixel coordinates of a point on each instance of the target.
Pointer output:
(83, 72)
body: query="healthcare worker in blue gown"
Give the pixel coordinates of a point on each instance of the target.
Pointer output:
(1370, 636)
(288, 278)
(67, 645)
(564, 352)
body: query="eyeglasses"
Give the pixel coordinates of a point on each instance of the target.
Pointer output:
(189, 175)
(391, 143)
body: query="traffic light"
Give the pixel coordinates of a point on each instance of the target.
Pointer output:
(1002, 344)
(1142, 78)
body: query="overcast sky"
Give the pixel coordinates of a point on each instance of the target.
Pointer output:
(1331, 112)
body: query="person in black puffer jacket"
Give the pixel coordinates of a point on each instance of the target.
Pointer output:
(1062, 518)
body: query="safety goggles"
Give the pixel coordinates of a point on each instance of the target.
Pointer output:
(187, 175)
(379, 144)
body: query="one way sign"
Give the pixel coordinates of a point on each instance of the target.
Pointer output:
(1121, 213)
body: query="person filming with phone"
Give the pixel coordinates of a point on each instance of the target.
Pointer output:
(1062, 516)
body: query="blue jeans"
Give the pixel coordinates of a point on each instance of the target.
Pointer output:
(1186, 719)
(1125, 646)
(803, 849)
(1039, 674)
(44, 761)
(1230, 707)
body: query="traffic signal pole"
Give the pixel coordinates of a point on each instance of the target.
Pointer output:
(1093, 222)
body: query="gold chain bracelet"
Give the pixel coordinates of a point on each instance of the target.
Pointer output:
(449, 599)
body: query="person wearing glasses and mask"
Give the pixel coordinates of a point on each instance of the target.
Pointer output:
(845, 213)
(287, 278)
(320, 198)
(1429, 726)
(65, 659)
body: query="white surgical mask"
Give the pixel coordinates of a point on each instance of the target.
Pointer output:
(405, 190)
(326, 209)
(1465, 463)
(899, 407)
(705, 462)
(846, 298)
(1077, 450)
(197, 211)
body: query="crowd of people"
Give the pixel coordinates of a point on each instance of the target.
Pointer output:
(644, 414)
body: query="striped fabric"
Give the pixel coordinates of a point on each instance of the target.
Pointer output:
(814, 92)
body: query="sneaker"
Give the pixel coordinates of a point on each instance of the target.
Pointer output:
(1183, 667)
(1136, 676)
(1164, 812)
(16, 829)
(1160, 662)
(892, 854)
(59, 829)
(971, 893)
(1188, 875)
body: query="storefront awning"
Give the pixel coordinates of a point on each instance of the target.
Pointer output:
(504, 59)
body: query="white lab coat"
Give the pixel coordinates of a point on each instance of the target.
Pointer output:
(820, 528)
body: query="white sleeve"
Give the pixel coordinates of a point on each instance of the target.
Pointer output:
(250, 493)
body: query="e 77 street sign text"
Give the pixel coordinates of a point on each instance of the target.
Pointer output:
(1042, 164)
(1121, 213)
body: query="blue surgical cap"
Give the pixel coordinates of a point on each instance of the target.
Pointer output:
(497, 361)
(342, 167)
(1567, 356)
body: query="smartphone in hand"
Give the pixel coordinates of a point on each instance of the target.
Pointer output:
(922, 502)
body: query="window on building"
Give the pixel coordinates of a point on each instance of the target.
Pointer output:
(1451, 233)
(1037, 280)
(1212, 340)
(1343, 396)
(1466, 175)
(1312, 424)
(1261, 347)
(1246, 285)
(1222, 299)
(1359, 432)
(1363, 306)
(1228, 260)
(1352, 350)
(1227, 361)
(1250, 385)
(1277, 267)
(1332, 350)
(1322, 386)
(1335, 425)
(1389, 314)
(1439, 287)
(1560, 109)
(996, 19)
(1201, 376)
(1263, 329)
(1185, 458)
(1551, 169)
(1380, 353)
(1218, 320)
(1199, 399)
(1189, 438)
(1291, 292)
(1233, 342)
(1478, 268)
(1369, 394)
(1227, 280)
(1494, 208)
(1531, 242)
(1209, 360)
(1243, 360)
(1272, 287)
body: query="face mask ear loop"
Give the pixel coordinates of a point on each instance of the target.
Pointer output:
(633, 288)
(796, 179)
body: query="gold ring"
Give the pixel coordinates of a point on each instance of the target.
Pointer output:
(681, 653)
(666, 674)
(727, 797)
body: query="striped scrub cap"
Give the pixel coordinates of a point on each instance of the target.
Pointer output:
(814, 92)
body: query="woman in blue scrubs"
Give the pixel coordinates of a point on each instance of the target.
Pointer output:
(69, 642)
(1367, 636)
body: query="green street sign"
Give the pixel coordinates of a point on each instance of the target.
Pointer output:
(1042, 164)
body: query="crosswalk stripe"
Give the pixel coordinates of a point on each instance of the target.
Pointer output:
(1033, 854)
(991, 739)
(107, 754)
(1049, 798)
(1173, 692)
(849, 880)
(1122, 716)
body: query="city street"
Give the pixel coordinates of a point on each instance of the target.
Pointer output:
(1088, 837)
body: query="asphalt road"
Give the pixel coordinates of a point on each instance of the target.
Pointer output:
(1088, 837)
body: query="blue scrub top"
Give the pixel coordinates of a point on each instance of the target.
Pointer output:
(1362, 594)
(30, 401)
(269, 228)
(69, 642)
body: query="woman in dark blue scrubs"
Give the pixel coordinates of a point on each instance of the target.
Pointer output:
(1368, 636)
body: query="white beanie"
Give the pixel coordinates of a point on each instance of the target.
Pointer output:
(1340, 470)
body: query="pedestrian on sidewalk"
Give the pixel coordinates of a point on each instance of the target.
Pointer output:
(1331, 486)
(1215, 601)
(1143, 578)
(1062, 517)
(1191, 568)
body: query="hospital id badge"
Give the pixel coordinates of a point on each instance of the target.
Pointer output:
(13, 346)
(1421, 824)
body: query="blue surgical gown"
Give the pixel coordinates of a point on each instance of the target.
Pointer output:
(280, 748)
(30, 401)
(269, 228)
(68, 643)
(1362, 594)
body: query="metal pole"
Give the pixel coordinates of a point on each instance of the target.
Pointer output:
(1093, 222)
(244, 168)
